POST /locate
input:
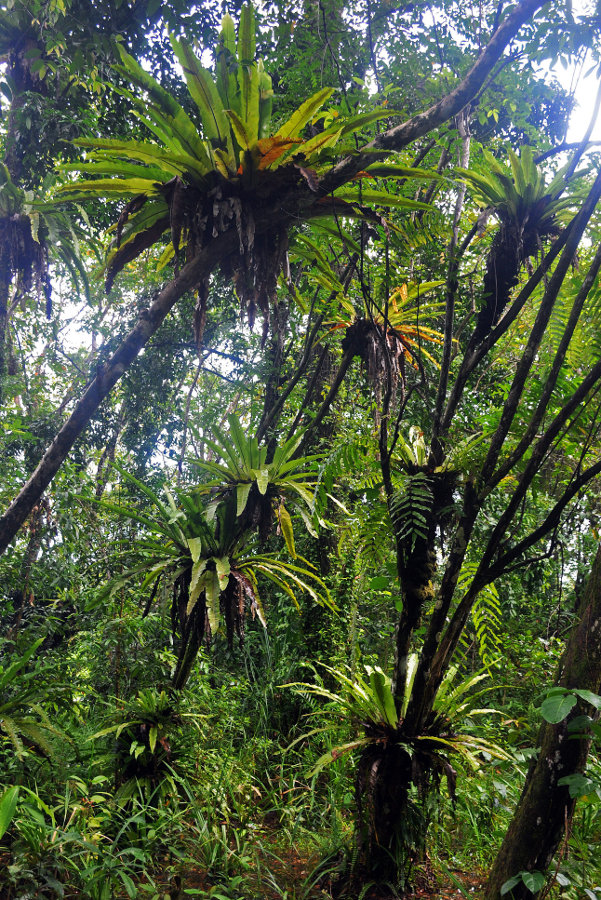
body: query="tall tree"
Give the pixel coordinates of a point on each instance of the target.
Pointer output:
(546, 806)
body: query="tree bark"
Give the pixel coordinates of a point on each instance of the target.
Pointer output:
(544, 809)
(5, 279)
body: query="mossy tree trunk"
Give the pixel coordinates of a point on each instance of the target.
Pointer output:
(545, 807)
(5, 279)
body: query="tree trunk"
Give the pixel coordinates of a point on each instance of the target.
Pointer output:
(386, 833)
(417, 570)
(5, 279)
(544, 809)
(450, 105)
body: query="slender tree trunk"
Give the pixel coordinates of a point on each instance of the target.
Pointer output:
(5, 279)
(416, 578)
(424, 122)
(106, 377)
(545, 808)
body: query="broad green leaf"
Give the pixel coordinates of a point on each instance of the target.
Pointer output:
(8, 806)
(379, 583)
(303, 493)
(117, 729)
(152, 738)
(34, 222)
(152, 211)
(222, 565)
(246, 34)
(110, 166)
(195, 545)
(270, 573)
(204, 93)
(389, 170)
(265, 100)
(170, 112)
(165, 257)
(227, 84)
(308, 522)
(154, 572)
(379, 198)
(381, 687)
(239, 129)
(176, 513)
(509, 885)
(412, 663)
(171, 162)
(257, 455)
(196, 149)
(248, 76)
(128, 884)
(120, 187)
(589, 697)
(310, 148)
(335, 753)
(297, 121)
(212, 594)
(352, 124)
(197, 583)
(224, 163)
(491, 189)
(528, 164)
(579, 785)
(517, 170)
(286, 529)
(262, 477)
(141, 77)
(242, 492)
(557, 706)
(534, 881)
(238, 450)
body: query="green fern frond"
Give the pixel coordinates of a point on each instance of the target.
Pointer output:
(486, 617)
(349, 457)
(373, 534)
(410, 509)
(9, 727)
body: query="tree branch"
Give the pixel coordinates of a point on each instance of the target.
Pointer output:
(106, 377)
(537, 333)
(551, 381)
(417, 126)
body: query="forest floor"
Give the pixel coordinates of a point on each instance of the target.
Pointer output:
(292, 873)
(289, 875)
(290, 880)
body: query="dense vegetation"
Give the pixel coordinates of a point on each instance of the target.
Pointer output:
(300, 374)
